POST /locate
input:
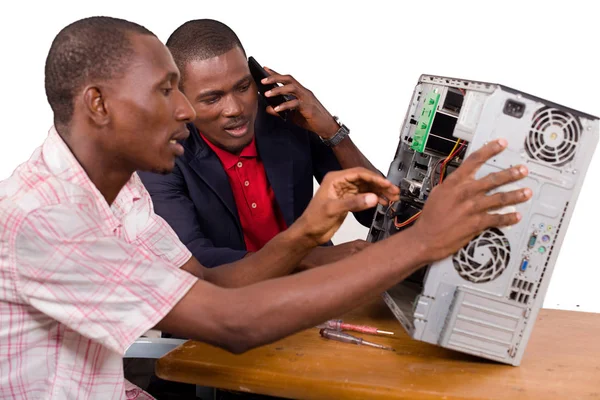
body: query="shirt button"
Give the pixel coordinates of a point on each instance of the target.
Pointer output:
(253, 205)
(239, 164)
(246, 183)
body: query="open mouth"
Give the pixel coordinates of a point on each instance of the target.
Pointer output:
(180, 135)
(238, 130)
(176, 147)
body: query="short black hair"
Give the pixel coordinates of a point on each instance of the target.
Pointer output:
(201, 39)
(95, 48)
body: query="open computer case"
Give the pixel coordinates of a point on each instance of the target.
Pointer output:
(484, 299)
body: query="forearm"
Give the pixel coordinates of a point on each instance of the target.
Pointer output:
(346, 152)
(240, 319)
(283, 306)
(211, 256)
(349, 156)
(243, 318)
(279, 257)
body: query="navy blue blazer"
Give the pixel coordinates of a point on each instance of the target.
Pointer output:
(197, 201)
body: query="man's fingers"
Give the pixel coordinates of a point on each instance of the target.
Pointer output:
(288, 105)
(376, 183)
(277, 78)
(503, 199)
(367, 181)
(497, 179)
(285, 89)
(362, 180)
(271, 71)
(385, 200)
(360, 175)
(478, 158)
(272, 112)
(354, 203)
(500, 220)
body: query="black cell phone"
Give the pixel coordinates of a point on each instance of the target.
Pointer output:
(258, 73)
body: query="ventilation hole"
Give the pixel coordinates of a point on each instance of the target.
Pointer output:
(553, 136)
(484, 258)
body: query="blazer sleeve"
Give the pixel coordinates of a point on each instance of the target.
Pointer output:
(172, 202)
(324, 161)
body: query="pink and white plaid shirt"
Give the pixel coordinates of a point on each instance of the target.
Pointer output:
(79, 280)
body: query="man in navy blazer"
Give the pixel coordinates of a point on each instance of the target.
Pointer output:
(246, 174)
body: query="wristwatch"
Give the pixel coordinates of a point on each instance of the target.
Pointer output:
(339, 135)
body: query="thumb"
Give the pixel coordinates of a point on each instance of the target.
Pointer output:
(355, 203)
(271, 111)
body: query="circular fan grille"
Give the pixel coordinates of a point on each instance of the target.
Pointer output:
(484, 258)
(553, 136)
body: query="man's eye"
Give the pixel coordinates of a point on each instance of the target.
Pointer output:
(245, 87)
(210, 100)
(166, 91)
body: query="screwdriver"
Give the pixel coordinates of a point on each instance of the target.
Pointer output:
(346, 338)
(339, 325)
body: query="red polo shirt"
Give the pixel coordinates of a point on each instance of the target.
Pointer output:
(259, 212)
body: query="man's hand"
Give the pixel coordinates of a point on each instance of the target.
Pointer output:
(459, 209)
(456, 211)
(309, 112)
(323, 255)
(353, 189)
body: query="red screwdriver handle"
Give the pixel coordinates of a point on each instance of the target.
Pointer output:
(359, 328)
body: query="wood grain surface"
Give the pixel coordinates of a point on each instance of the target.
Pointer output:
(562, 361)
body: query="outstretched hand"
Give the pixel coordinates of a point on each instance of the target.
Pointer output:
(460, 208)
(349, 190)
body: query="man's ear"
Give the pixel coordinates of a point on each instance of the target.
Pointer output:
(95, 105)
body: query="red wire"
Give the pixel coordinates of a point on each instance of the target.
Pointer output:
(442, 170)
(408, 221)
(450, 157)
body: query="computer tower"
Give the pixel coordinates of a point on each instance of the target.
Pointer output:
(484, 299)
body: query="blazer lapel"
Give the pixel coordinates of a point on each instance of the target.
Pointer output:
(274, 150)
(208, 167)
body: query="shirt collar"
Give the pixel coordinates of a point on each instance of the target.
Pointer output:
(229, 159)
(61, 162)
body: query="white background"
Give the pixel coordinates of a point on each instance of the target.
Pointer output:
(362, 61)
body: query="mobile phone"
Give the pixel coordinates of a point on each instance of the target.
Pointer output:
(258, 73)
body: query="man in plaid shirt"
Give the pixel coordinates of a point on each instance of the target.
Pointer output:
(86, 267)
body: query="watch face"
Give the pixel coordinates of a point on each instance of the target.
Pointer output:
(340, 135)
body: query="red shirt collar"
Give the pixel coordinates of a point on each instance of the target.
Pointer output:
(228, 159)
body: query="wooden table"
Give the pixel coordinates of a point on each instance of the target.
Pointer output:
(562, 361)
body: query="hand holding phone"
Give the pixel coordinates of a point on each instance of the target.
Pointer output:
(258, 73)
(299, 105)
